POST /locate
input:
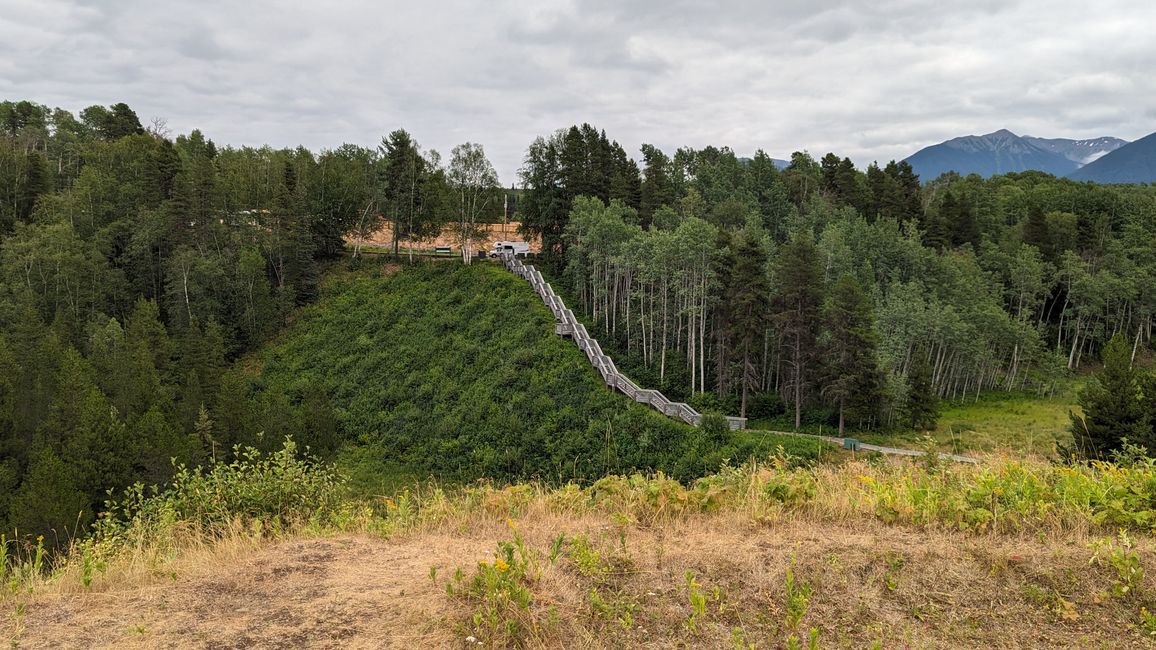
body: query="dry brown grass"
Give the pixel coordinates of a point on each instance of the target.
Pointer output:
(900, 586)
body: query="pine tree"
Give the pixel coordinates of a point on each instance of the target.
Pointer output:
(964, 227)
(853, 377)
(657, 190)
(749, 305)
(545, 208)
(49, 501)
(1146, 437)
(935, 233)
(156, 444)
(796, 308)
(922, 405)
(723, 266)
(1035, 231)
(1111, 405)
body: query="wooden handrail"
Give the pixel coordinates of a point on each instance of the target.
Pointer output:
(599, 359)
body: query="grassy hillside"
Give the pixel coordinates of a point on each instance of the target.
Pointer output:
(272, 553)
(456, 371)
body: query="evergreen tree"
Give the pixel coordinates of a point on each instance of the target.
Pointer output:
(49, 502)
(156, 444)
(749, 306)
(961, 221)
(544, 208)
(935, 234)
(852, 378)
(656, 190)
(922, 405)
(763, 182)
(723, 266)
(796, 310)
(1146, 436)
(1111, 405)
(402, 168)
(574, 166)
(1034, 231)
(626, 180)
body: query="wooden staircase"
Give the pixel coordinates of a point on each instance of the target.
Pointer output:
(569, 326)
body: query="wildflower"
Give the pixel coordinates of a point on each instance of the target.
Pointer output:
(501, 565)
(39, 539)
(510, 523)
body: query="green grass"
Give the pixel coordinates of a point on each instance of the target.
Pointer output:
(1024, 423)
(1019, 422)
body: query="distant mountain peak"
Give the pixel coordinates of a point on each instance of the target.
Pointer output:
(1081, 152)
(1133, 162)
(1002, 152)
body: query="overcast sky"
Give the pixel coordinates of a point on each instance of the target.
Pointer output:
(872, 80)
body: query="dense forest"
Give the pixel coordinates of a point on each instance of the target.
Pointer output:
(136, 268)
(837, 294)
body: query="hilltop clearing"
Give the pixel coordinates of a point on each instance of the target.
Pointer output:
(891, 554)
(868, 584)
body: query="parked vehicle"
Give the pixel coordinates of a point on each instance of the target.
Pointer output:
(517, 248)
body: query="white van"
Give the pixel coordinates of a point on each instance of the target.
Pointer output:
(516, 248)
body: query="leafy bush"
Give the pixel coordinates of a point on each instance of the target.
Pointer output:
(764, 405)
(273, 489)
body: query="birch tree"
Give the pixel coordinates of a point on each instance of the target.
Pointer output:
(475, 184)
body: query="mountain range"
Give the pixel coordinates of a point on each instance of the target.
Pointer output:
(1133, 163)
(1004, 152)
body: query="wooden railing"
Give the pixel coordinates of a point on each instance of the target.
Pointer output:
(568, 325)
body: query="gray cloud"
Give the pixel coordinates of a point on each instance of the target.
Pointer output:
(874, 81)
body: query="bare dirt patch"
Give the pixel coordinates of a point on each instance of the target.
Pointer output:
(350, 592)
(871, 584)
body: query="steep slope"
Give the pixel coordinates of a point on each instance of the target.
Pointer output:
(1132, 163)
(1000, 152)
(456, 371)
(1080, 152)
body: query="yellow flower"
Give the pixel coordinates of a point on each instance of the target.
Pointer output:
(39, 538)
(501, 565)
(510, 522)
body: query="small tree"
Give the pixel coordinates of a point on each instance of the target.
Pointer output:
(922, 405)
(1111, 404)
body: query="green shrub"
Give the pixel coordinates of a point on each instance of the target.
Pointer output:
(271, 489)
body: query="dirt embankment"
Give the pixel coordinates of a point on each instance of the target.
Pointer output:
(870, 585)
(494, 232)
